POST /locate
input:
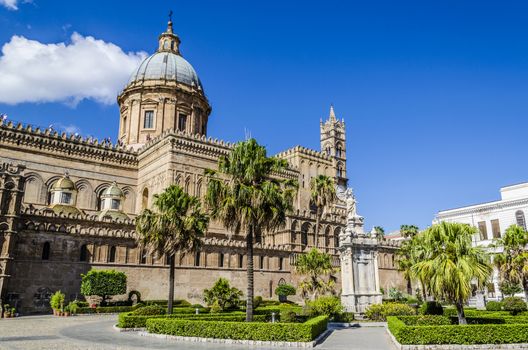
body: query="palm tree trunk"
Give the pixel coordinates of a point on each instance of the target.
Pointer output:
(525, 287)
(317, 221)
(460, 313)
(171, 284)
(424, 292)
(249, 304)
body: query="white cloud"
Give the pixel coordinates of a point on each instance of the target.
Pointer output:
(86, 68)
(10, 4)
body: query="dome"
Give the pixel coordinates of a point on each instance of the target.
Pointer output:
(169, 66)
(113, 191)
(64, 183)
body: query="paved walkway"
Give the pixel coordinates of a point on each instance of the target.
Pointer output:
(96, 332)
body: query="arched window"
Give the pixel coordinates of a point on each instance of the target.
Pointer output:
(221, 260)
(143, 256)
(304, 233)
(197, 259)
(339, 150)
(337, 231)
(112, 255)
(281, 264)
(144, 200)
(339, 171)
(240, 261)
(519, 217)
(84, 253)
(46, 251)
(261, 262)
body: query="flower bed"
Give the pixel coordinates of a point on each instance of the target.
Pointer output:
(290, 332)
(407, 330)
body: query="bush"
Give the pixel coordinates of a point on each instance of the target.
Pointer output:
(57, 300)
(292, 332)
(285, 290)
(327, 305)
(514, 305)
(431, 308)
(149, 310)
(458, 334)
(222, 294)
(137, 294)
(493, 306)
(288, 316)
(510, 288)
(346, 317)
(103, 283)
(257, 301)
(165, 303)
(379, 312)
(395, 294)
(426, 320)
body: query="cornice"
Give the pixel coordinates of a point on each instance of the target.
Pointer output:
(68, 145)
(498, 205)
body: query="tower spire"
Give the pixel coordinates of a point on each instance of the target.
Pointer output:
(332, 116)
(169, 25)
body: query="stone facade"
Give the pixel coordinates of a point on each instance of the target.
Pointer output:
(68, 203)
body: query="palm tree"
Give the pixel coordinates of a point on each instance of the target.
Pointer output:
(380, 232)
(175, 224)
(513, 261)
(322, 194)
(409, 231)
(450, 263)
(315, 265)
(247, 196)
(411, 251)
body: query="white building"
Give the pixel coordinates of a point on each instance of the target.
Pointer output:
(492, 219)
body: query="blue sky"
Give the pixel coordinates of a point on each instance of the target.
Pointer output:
(434, 94)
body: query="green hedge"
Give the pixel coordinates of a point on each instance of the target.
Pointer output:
(175, 303)
(425, 320)
(129, 320)
(458, 334)
(293, 332)
(475, 313)
(105, 309)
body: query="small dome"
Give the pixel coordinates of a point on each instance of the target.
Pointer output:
(166, 65)
(113, 191)
(64, 183)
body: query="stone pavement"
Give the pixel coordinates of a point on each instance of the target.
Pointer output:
(96, 332)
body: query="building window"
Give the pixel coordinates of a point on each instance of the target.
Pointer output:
(519, 217)
(240, 261)
(143, 257)
(281, 264)
(112, 255)
(261, 262)
(197, 259)
(483, 231)
(144, 199)
(339, 171)
(221, 260)
(84, 253)
(66, 198)
(182, 121)
(46, 251)
(115, 204)
(124, 127)
(495, 228)
(304, 235)
(148, 121)
(338, 151)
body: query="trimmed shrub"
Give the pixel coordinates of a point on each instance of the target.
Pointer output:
(285, 290)
(149, 310)
(103, 283)
(288, 316)
(257, 301)
(458, 334)
(431, 308)
(344, 317)
(137, 294)
(57, 300)
(164, 303)
(493, 306)
(379, 312)
(514, 305)
(292, 332)
(425, 320)
(327, 305)
(128, 320)
(105, 309)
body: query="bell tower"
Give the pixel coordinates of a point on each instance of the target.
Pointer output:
(333, 144)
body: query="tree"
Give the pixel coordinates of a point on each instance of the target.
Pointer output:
(409, 231)
(411, 251)
(322, 194)
(248, 196)
(380, 232)
(222, 295)
(510, 288)
(450, 263)
(103, 283)
(284, 290)
(513, 261)
(175, 224)
(315, 265)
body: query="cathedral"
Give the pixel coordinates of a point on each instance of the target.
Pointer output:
(68, 203)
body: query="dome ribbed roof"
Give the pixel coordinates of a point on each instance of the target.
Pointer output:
(64, 183)
(166, 65)
(113, 191)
